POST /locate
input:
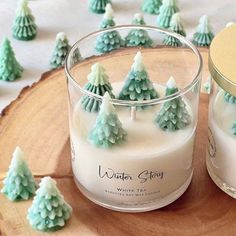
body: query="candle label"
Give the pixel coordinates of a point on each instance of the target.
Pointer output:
(142, 177)
(211, 144)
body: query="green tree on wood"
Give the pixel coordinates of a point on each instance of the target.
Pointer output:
(49, 210)
(10, 69)
(110, 40)
(98, 6)
(138, 37)
(99, 84)
(19, 183)
(108, 130)
(60, 51)
(204, 34)
(177, 27)
(173, 114)
(24, 27)
(167, 9)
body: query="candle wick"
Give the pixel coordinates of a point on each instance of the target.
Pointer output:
(133, 113)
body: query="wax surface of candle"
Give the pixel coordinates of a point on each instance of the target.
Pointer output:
(150, 164)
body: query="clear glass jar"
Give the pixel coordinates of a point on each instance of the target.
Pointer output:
(152, 167)
(221, 161)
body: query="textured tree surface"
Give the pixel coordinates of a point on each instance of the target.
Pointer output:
(229, 98)
(203, 210)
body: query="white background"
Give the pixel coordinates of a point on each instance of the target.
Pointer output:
(74, 18)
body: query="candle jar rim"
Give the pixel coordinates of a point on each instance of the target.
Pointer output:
(180, 92)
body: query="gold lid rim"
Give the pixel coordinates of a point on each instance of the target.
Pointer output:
(220, 79)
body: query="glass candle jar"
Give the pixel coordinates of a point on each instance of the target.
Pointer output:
(221, 161)
(134, 152)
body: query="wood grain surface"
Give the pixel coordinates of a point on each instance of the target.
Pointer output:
(37, 121)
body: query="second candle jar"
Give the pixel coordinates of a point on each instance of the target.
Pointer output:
(221, 161)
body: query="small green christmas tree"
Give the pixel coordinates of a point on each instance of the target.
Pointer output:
(99, 84)
(110, 40)
(167, 9)
(173, 114)
(19, 183)
(98, 6)
(76, 57)
(207, 85)
(151, 6)
(10, 69)
(60, 51)
(24, 27)
(138, 37)
(203, 35)
(230, 98)
(177, 27)
(108, 130)
(137, 86)
(233, 129)
(49, 210)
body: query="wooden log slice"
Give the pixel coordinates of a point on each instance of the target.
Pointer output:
(37, 121)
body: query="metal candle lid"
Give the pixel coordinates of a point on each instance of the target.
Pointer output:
(222, 59)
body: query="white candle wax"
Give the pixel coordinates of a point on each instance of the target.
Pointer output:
(222, 148)
(149, 165)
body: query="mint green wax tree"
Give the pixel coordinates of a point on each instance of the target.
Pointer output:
(60, 51)
(233, 129)
(204, 34)
(151, 6)
(111, 40)
(10, 69)
(108, 130)
(99, 84)
(138, 37)
(19, 183)
(173, 114)
(24, 27)
(229, 98)
(49, 210)
(98, 6)
(167, 9)
(76, 57)
(137, 86)
(177, 27)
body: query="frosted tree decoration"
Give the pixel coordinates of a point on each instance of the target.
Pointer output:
(110, 40)
(173, 114)
(177, 27)
(108, 130)
(203, 35)
(10, 69)
(19, 183)
(60, 51)
(99, 84)
(151, 6)
(167, 9)
(49, 210)
(76, 57)
(24, 27)
(233, 129)
(138, 37)
(230, 98)
(137, 86)
(98, 6)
